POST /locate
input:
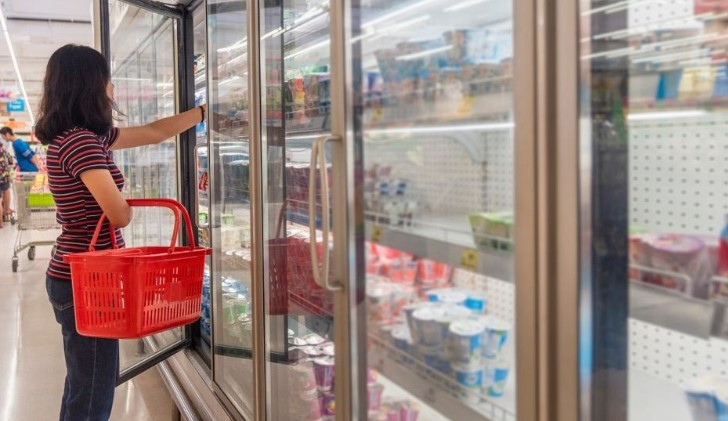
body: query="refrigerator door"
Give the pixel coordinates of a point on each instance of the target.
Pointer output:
(437, 119)
(299, 226)
(144, 75)
(228, 211)
(654, 250)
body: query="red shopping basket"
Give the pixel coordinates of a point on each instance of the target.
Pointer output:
(138, 291)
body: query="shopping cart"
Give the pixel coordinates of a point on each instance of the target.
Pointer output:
(34, 210)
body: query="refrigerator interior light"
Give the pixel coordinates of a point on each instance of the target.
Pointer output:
(486, 127)
(14, 59)
(665, 115)
(425, 53)
(465, 4)
(307, 49)
(398, 12)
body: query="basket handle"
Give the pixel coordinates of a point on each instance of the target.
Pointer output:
(171, 204)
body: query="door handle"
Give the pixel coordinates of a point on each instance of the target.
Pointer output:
(318, 162)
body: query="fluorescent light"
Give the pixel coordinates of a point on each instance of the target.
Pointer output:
(239, 44)
(464, 4)
(665, 115)
(307, 49)
(378, 33)
(398, 12)
(4, 24)
(272, 33)
(424, 53)
(487, 127)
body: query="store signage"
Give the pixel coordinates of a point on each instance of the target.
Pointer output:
(16, 106)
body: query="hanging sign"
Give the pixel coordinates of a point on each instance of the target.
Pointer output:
(16, 106)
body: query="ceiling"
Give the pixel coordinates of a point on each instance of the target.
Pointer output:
(37, 28)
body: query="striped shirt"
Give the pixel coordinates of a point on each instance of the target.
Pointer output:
(68, 156)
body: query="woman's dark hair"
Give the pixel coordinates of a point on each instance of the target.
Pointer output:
(74, 93)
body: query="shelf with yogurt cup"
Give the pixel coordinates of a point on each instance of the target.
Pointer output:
(464, 373)
(445, 239)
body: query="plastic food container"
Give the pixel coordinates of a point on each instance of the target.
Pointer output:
(323, 369)
(468, 377)
(425, 322)
(496, 377)
(495, 336)
(466, 342)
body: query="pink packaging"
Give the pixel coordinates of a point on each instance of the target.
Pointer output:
(375, 392)
(303, 377)
(408, 411)
(328, 404)
(402, 295)
(324, 371)
(312, 405)
(379, 303)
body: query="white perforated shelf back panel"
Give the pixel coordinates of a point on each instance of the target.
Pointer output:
(673, 356)
(663, 14)
(459, 173)
(678, 176)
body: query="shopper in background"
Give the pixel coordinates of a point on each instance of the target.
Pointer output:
(75, 121)
(6, 165)
(28, 160)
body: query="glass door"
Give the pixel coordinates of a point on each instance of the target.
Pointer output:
(144, 73)
(229, 203)
(296, 118)
(437, 126)
(653, 129)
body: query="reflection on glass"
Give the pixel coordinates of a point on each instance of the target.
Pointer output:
(299, 323)
(654, 88)
(437, 83)
(229, 209)
(144, 75)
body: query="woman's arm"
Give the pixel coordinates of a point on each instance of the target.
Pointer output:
(156, 132)
(103, 188)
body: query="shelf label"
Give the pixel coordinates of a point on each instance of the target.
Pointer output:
(469, 259)
(376, 234)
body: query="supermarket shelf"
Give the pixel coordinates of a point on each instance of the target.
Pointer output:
(654, 399)
(670, 309)
(440, 392)
(446, 240)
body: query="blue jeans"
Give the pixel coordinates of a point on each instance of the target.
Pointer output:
(92, 364)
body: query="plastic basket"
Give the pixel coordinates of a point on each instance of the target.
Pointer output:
(139, 291)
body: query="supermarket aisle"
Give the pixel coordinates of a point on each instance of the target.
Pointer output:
(31, 361)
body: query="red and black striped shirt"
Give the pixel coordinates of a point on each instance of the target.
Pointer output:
(68, 156)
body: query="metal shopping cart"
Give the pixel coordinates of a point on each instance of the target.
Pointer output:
(34, 210)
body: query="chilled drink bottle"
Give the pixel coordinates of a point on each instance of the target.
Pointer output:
(723, 250)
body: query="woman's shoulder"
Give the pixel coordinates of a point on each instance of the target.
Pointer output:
(73, 134)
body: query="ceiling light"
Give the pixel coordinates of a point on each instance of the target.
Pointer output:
(465, 4)
(14, 59)
(398, 12)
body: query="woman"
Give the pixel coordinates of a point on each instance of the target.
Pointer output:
(6, 165)
(75, 121)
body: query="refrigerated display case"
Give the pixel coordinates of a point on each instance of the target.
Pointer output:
(652, 120)
(356, 181)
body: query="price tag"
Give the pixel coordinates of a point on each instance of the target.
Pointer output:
(376, 234)
(469, 259)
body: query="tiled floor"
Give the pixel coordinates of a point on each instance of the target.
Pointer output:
(31, 357)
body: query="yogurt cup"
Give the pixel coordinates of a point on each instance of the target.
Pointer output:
(496, 377)
(375, 391)
(425, 323)
(379, 303)
(323, 369)
(476, 303)
(408, 311)
(303, 378)
(468, 377)
(434, 358)
(453, 297)
(401, 338)
(328, 404)
(408, 411)
(466, 342)
(495, 336)
(450, 314)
